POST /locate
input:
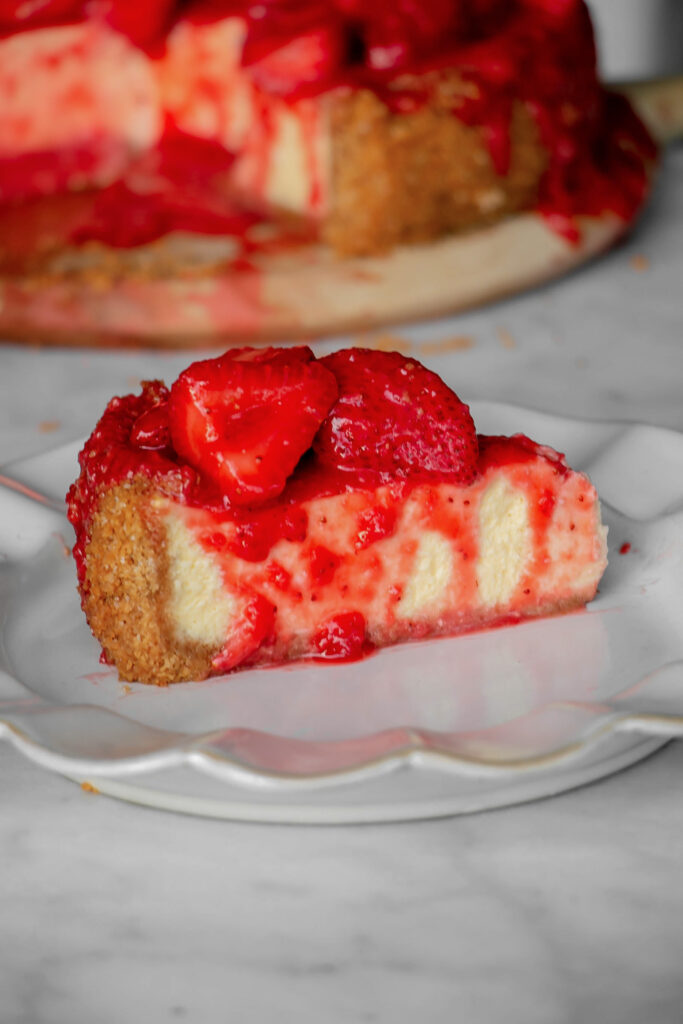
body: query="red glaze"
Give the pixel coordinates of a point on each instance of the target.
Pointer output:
(151, 430)
(174, 187)
(177, 186)
(374, 524)
(19, 174)
(122, 218)
(539, 52)
(501, 451)
(279, 576)
(324, 564)
(310, 59)
(342, 638)
(144, 23)
(258, 529)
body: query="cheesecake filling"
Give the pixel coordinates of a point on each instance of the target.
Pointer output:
(505, 542)
(429, 578)
(200, 607)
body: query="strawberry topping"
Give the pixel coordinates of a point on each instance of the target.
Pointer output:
(342, 638)
(150, 429)
(395, 418)
(282, 66)
(244, 420)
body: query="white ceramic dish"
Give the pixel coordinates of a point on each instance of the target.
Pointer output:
(441, 727)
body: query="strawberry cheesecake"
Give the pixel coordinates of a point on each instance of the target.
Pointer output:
(272, 506)
(371, 125)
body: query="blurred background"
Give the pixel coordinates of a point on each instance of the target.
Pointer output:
(638, 38)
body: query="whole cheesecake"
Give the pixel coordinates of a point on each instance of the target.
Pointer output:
(371, 125)
(272, 506)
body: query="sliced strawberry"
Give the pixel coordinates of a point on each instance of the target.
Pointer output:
(284, 65)
(245, 419)
(150, 429)
(295, 354)
(396, 418)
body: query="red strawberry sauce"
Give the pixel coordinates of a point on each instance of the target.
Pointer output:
(541, 52)
(342, 638)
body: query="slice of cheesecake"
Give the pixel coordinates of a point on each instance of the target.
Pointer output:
(79, 103)
(374, 127)
(272, 506)
(375, 159)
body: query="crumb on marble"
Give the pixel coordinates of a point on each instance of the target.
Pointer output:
(99, 677)
(639, 262)
(505, 337)
(66, 550)
(88, 787)
(439, 346)
(49, 426)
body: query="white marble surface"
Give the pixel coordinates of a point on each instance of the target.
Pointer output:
(565, 910)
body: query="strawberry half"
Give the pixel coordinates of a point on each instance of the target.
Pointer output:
(244, 420)
(396, 418)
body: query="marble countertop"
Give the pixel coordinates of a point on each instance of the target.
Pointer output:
(563, 910)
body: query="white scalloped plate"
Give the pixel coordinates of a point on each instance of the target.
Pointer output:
(440, 727)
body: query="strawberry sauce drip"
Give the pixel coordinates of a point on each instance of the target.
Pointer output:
(342, 638)
(499, 451)
(174, 187)
(538, 52)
